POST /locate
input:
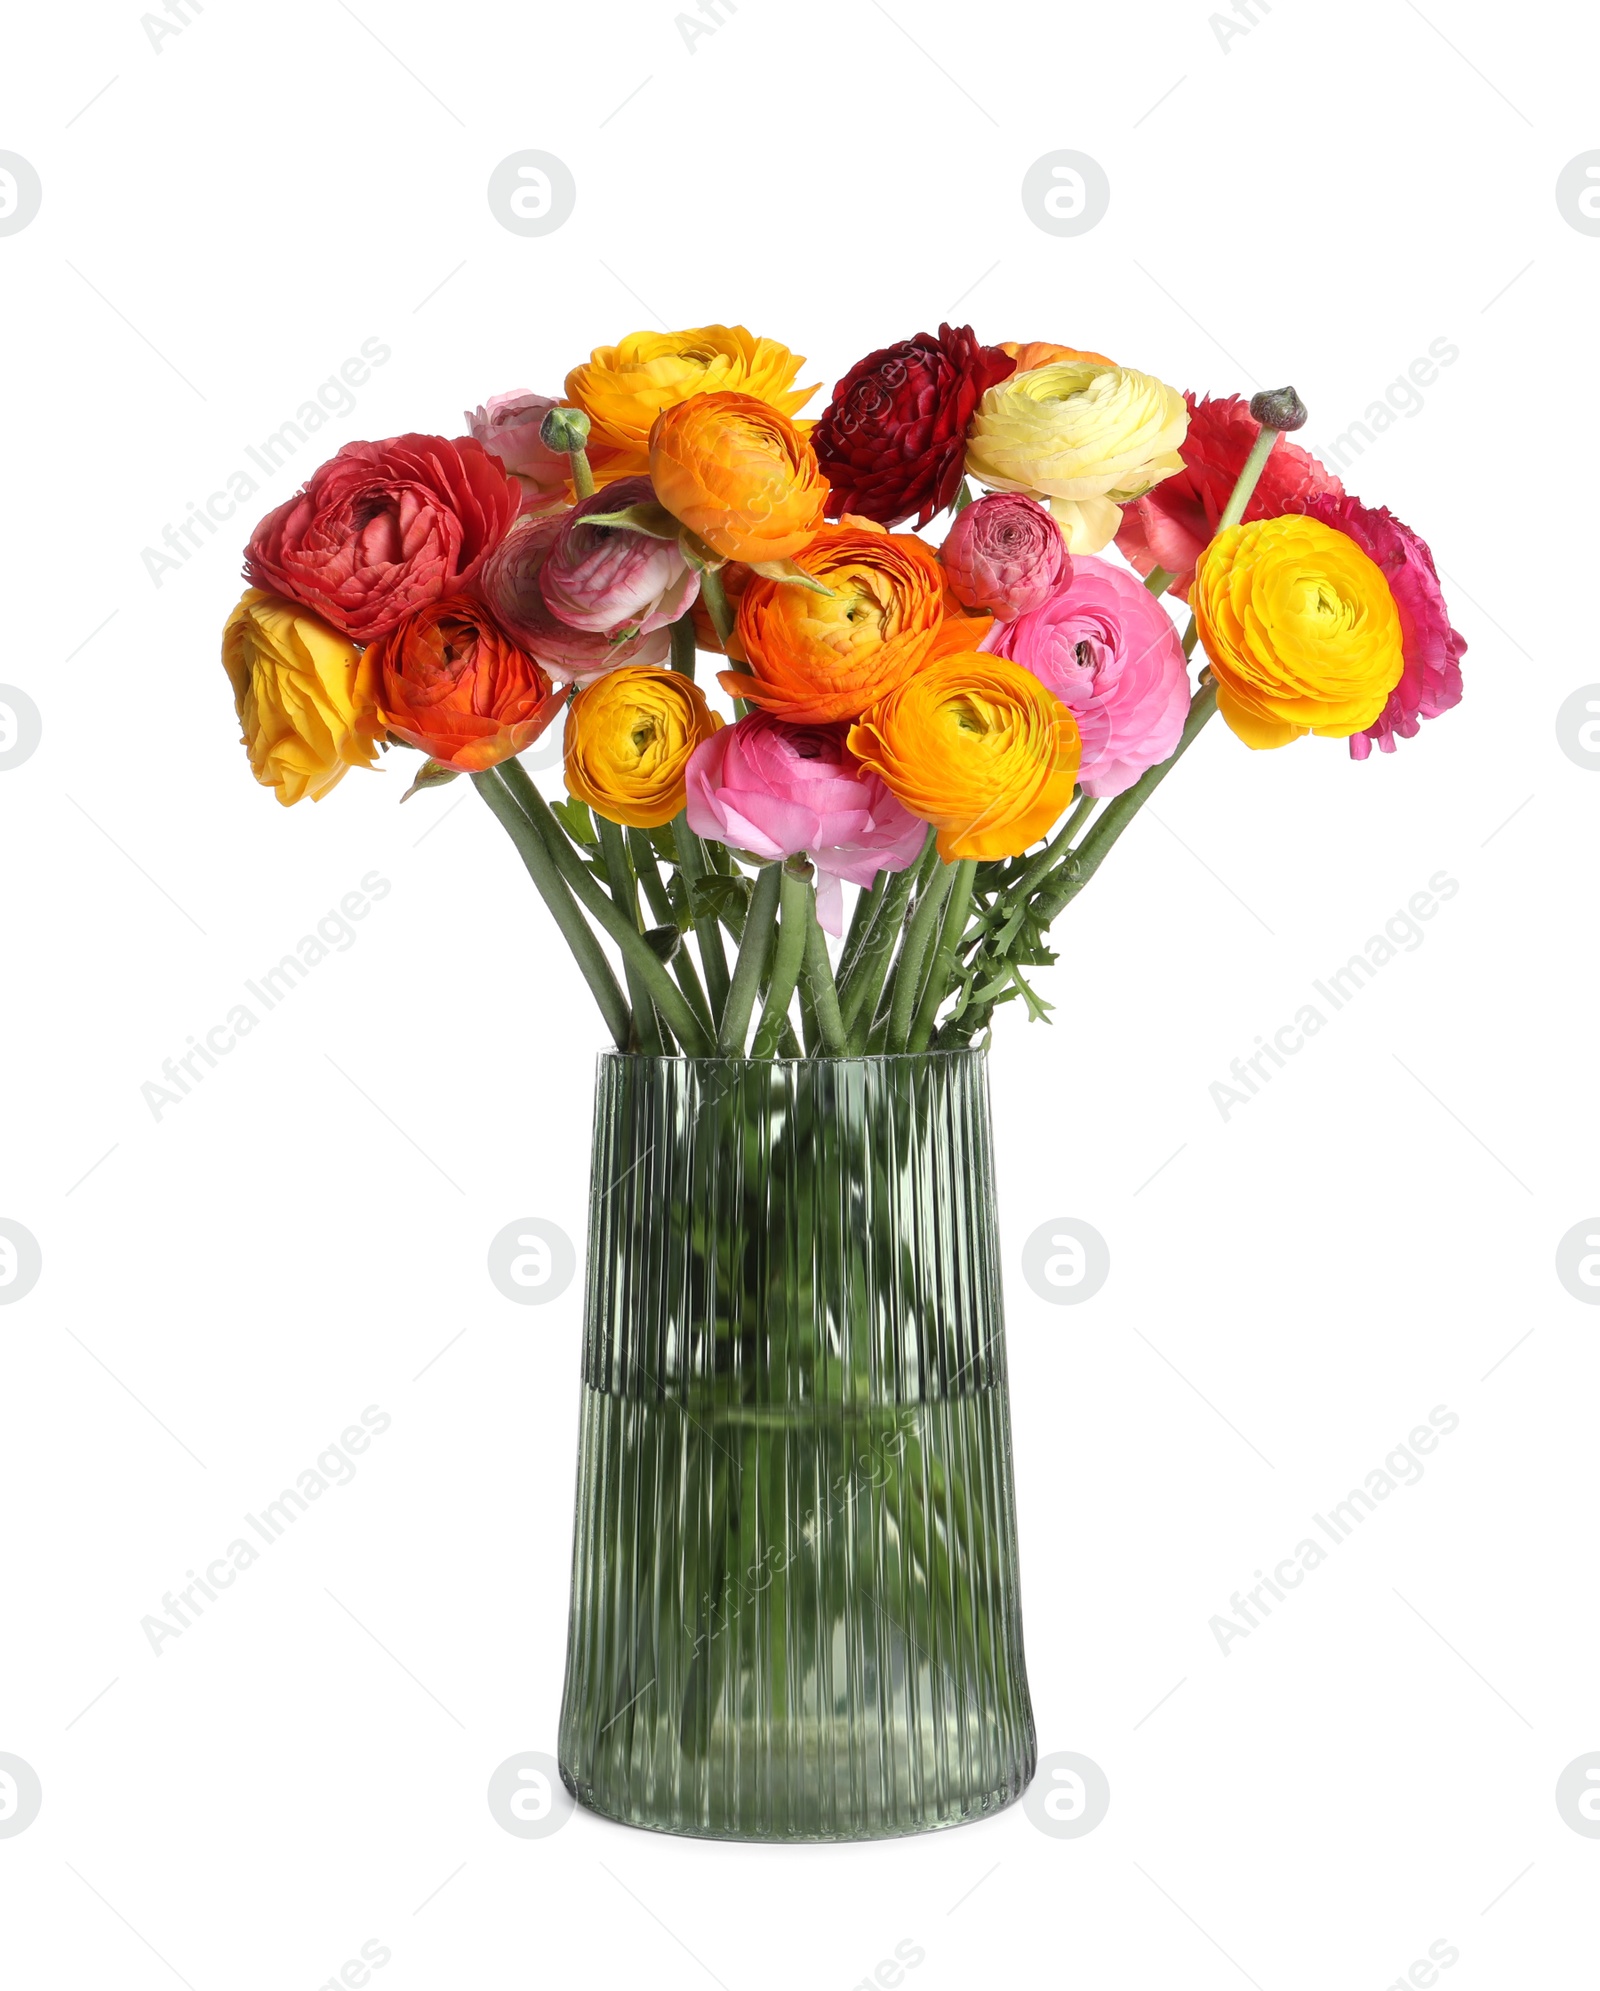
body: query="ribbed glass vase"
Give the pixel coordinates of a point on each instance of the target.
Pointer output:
(794, 1585)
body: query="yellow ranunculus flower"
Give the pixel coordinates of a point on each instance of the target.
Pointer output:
(628, 741)
(976, 746)
(303, 693)
(1081, 436)
(625, 386)
(1301, 629)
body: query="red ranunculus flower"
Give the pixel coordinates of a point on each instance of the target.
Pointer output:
(1170, 524)
(384, 527)
(893, 439)
(452, 684)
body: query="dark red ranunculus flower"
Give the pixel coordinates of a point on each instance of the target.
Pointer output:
(1431, 681)
(384, 527)
(1169, 525)
(893, 439)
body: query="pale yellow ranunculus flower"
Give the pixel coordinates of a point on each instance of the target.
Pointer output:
(303, 693)
(1083, 437)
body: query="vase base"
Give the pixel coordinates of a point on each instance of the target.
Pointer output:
(973, 1812)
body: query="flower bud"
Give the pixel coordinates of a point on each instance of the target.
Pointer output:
(1279, 408)
(564, 429)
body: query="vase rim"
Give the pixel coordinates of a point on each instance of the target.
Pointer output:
(875, 1059)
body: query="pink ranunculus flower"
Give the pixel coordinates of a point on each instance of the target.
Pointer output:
(1107, 648)
(510, 585)
(1006, 554)
(610, 580)
(775, 790)
(1430, 683)
(508, 427)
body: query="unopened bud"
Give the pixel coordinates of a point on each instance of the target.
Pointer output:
(564, 429)
(1275, 408)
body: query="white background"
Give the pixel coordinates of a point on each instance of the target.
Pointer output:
(304, 1769)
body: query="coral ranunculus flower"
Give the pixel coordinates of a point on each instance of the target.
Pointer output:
(1169, 525)
(628, 741)
(383, 527)
(451, 684)
(1301, 629)
(1084, 437)
(978, 747)
(817, 658)
(624, 387)
(738, 474)
(303, 694)
(1431, 681)
(893, 439)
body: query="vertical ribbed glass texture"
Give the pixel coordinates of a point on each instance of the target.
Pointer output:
(794, 1586)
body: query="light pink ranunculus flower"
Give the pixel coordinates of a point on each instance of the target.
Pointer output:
(508, 427)
(1107, 649)
(510, 586)
(1005, 553)
(776, 790)
(610, 580)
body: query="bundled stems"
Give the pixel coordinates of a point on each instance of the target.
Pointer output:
(795, 916)
(819, 985)
(707, 927)
(575, 929)
(862, 982)
(920, 936)
(752, 959)
(936, 984)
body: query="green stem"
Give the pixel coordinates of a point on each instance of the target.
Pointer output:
(1081, 865)
(575, 929)
(919, 938)
(752, 960)
(861, 919)
(864, 982)
(683, 646)
(1158, 580)
(634, 948)
(715, 597)
(614, 853)
(1044, 863)
(708, 929)
(642, 853)
(787, 957)
(1244, 490)
(582, 475)
(951, 928)
(821, 986)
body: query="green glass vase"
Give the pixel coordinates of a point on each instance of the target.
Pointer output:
(795, 1608)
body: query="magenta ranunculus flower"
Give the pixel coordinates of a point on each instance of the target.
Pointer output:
(508, 427)
(1107, 649)
(1431, 681)
(510, 585)
(776, 790)
(1006, 554)
(610, 580)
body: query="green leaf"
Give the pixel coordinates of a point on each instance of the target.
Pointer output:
(654, 520)
(790, 571)
(663, 941)
(713, 897)
(574, 818)
(431, 774)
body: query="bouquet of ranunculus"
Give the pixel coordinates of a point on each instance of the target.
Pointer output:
(959, 729)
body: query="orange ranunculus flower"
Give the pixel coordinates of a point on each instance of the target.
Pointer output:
(624, 387)
(303, 693)
(453, 685)
(1030, 353)
(817, 658)
(628, 741)
(739, 474)
(976, 746)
